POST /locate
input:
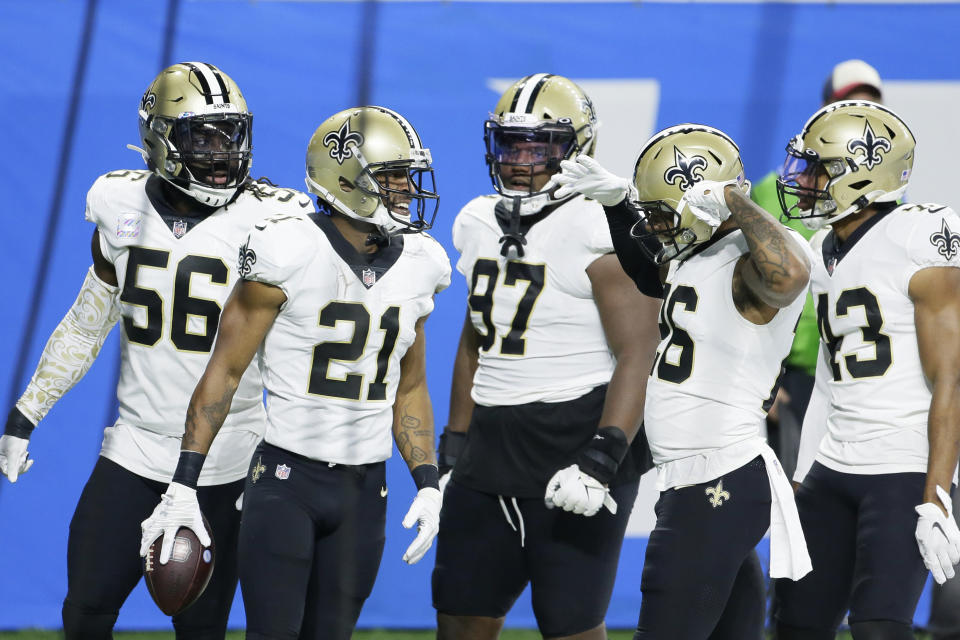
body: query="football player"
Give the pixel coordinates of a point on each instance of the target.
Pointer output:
(548, 375)
(875, 505)
(335, 302)
(164, 253)
(731, 301)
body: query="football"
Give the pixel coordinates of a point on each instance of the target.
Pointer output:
(176, 585)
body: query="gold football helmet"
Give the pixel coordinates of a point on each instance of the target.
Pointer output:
(671, 162)
(196, 131)
(368, 163)
(539, 121)
(849, 155)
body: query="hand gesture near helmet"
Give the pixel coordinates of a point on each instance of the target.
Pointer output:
(707, 200)
(585, 175)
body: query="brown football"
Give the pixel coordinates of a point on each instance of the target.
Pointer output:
(176, 585)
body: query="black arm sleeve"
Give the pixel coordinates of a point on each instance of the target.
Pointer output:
(621, 218)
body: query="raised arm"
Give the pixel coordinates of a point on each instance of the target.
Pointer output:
(413, 432)
(776, 270)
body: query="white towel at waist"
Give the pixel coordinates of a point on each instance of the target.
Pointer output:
(788, 548)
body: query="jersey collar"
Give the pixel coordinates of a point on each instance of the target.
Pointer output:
(369, 268)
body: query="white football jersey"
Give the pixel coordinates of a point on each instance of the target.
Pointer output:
(174, 280)
(714, 369)
(331, 361)
(540, 332)
(878, 396)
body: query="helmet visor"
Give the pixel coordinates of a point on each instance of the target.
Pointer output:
(802, 186)
(522, 158)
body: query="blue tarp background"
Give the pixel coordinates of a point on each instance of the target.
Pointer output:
(73, 76)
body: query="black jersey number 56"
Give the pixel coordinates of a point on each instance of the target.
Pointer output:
(183, 306)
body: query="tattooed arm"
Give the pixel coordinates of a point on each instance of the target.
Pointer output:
(776, 270)
(412, 411)
(246, 318)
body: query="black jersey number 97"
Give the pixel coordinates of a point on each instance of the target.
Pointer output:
(871, 333)
(512, 344)
(184, 305)
(679, 338)
(350, 387)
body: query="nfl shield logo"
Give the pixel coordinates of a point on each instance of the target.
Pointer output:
(282, 472)
(179, 228)
(369, 277)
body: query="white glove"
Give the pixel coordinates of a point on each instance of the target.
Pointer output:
(425, 513)
(178, 508)
(938, 537)
(14, 458)
(444, 481)
(706, 201)
(239, 503)
(573, 490)
(586, 176)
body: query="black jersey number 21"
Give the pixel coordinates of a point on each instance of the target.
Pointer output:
(350, 387)
(512, 344)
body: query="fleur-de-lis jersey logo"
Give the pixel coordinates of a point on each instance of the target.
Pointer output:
(870, 145)
(246, 260)
(341, 142)
(685, 171)
(717, 495)
(946, 241)
(257, 470)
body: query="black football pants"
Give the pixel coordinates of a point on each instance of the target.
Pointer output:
(103, 554)
(310, 544)
(700, 577)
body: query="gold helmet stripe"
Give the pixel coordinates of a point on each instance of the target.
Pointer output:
(527, 94)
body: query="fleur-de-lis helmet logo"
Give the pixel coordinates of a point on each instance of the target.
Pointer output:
(685, 171)
(343, 142)
(946, 241)
(870, 145)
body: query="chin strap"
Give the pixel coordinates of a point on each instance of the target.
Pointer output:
(513, 237)
(379, 237)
